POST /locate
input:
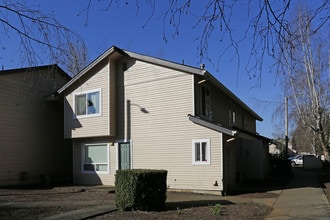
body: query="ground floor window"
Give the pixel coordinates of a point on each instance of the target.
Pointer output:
(201, 151)
(95, 158)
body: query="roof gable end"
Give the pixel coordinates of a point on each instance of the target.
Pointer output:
(89, 67)
(164, 63)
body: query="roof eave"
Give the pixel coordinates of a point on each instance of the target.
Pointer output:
(212, 126)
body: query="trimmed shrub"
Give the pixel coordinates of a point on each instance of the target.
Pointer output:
(140, 189)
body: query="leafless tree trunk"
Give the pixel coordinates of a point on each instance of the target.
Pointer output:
(308, 80)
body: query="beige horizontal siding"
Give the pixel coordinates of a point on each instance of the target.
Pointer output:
(162, 138)
(152, 104)
(90, 126)
(31, 129)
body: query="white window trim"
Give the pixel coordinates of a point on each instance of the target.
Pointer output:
(83, 156)
(87, 115)
(208, 152)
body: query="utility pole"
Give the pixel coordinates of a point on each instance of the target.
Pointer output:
(286, 128)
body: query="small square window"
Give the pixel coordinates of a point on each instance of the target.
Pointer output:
(201, 151)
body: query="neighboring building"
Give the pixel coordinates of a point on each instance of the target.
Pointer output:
(32, 147)
(277, 147)
(126, 110)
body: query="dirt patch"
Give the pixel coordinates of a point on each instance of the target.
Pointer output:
(24, 204)
(27, 203)
(32, 212)
(232, 211)
(56, 194)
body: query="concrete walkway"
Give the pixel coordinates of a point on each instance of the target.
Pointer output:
(303, 198)
(84, 213)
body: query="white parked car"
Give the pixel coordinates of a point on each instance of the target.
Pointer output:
(298, 160)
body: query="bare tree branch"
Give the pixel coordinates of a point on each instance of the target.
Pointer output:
(267, 25)
(40, 35)
(305, 61)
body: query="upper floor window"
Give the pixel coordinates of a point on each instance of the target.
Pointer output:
(206, 102)
(87, 103)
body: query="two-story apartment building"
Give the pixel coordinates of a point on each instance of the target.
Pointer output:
(127, 110)
(31, 138)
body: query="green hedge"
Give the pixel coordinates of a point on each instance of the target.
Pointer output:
(140, 189)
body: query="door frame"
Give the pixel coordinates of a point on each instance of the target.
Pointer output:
(118, 151)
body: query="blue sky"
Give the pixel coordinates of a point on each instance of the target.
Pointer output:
(124, 27)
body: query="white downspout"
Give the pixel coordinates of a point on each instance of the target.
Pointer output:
(222, 163)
